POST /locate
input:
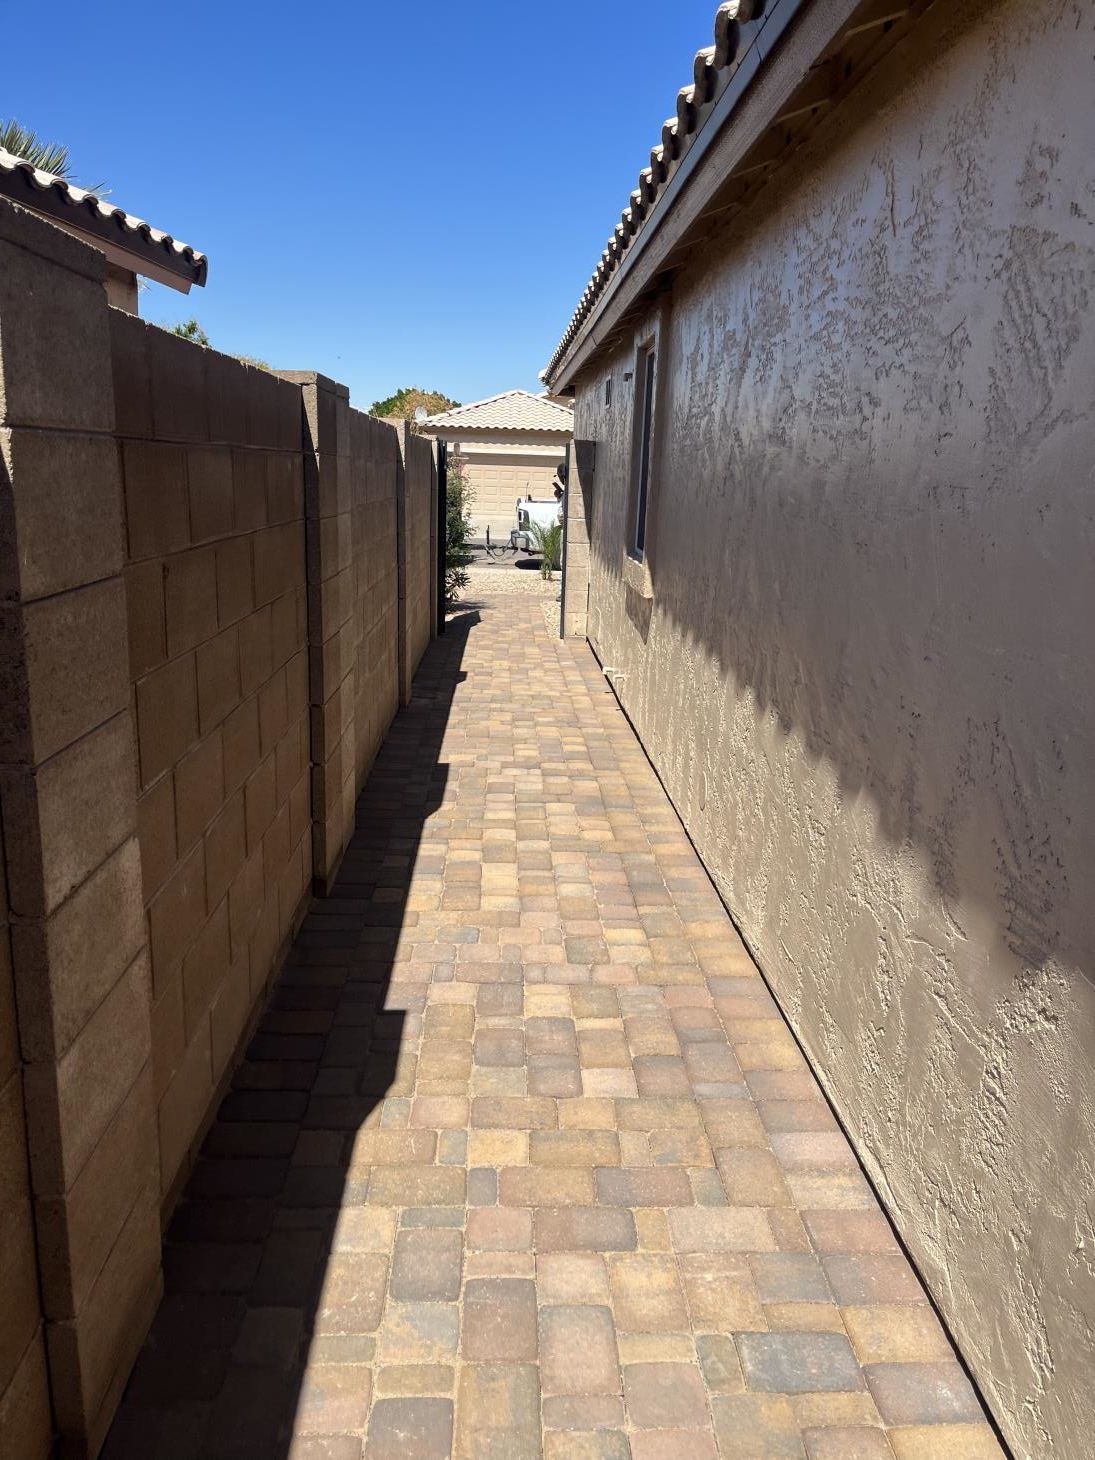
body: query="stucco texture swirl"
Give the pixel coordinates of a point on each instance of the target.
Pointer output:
(866, 672)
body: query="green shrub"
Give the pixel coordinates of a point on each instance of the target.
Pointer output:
(549, 540)
(458, 528)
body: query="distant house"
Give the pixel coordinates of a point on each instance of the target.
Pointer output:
(131, 245)
(513, 444)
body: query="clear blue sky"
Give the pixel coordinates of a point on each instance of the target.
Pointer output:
(396, 194)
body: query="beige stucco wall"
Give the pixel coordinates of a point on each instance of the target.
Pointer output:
(866, 673)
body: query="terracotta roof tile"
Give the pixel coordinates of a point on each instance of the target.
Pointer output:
(24, 183)
(738, 24)
(513, 410)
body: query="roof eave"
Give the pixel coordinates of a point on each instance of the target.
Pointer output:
(750, 129)
(127, 248)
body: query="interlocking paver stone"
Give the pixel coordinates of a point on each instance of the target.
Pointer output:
(522, 1114)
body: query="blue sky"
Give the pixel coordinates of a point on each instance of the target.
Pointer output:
(397, 194)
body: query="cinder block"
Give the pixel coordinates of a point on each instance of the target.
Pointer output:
(73, 662)
(273, 711)
(241, 744)
(296, 684)
(65, 820)
(205, 967)
(265, 943)
(260, 801)
(256, 651)
(168, 1038)
(91, 1355)
(293, 886)
(284, 487)
(66, 964)
(285, 638)
(156, 510)
(70, 1104)
(156, 835)
(176, 368)
(218, 670)
(235, 589)
(226, 397)
(175, 916)
(275, 848)
(245, 900)
(184, 1104)
(290, 759)
(190, 599)
(279, 560)
(132, 387)
(249, 490)
(225, 849)
(18, 1275)
(55, 364)
(300, 806)
(25, 1420)
(144, 591)
(9, 1032)
(65, 499)
(167, 716)
(212, 505)
(76, 1232)
(229, 1015)
(199, 789)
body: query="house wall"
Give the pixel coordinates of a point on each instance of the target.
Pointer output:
(864, 669)
(189, 616)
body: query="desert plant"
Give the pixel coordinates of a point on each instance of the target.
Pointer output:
(549, 540)
(191, 330)
(459, 497)
(47, 156)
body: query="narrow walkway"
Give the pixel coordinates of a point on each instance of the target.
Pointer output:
(523, 1160)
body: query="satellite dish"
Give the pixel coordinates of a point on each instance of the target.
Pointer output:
(421, 414)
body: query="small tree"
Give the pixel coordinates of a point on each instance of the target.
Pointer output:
(190, 329)
(459, 497)
(405, 402)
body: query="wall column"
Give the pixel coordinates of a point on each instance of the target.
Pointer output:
(332, 635)
(577, 515)
(68, 804)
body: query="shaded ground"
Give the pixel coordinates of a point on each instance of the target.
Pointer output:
(523, 1159)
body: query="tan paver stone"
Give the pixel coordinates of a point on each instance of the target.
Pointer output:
(498, 1413)
(334, 1398)
(416, 1186)
(673, 1444)
(427, 1265)
(725, 1229)
(415, 1379)
(408, 1428)
(847, 1442)
(756, 1427)
(499, 1320)
(584, 1229)
(571, 1277)
(945, 1442)
(896, 1333)
(574, 1148)
(499, 1229)
(578, 1351)
(646, 1294)
(584, 1412)
(665, 1396)
(545, 1186)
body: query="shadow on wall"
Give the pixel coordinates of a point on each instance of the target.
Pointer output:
(873, 514)
(272, 1260)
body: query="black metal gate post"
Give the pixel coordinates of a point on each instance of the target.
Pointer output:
(442, 528)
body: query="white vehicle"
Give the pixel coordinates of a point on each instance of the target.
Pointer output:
(532, 514)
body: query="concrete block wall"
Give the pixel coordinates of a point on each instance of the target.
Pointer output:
(375, 484)
(420, 496)
(79, 954)
(218, 657)
(25, 1425)
(200, 640)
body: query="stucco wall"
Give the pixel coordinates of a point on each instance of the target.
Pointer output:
(866, 673)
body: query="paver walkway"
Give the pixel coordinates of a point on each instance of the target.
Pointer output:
(523, 1160)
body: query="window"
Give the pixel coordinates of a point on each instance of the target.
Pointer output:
(645, 374)
(608, 391)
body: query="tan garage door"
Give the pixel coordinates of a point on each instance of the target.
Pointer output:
(498, 482)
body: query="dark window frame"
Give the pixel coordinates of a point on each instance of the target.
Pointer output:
(642, 464)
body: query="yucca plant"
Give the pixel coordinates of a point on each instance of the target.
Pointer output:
(549, 540)
(52, 157)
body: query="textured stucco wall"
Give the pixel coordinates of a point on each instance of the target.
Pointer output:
(866, 673)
